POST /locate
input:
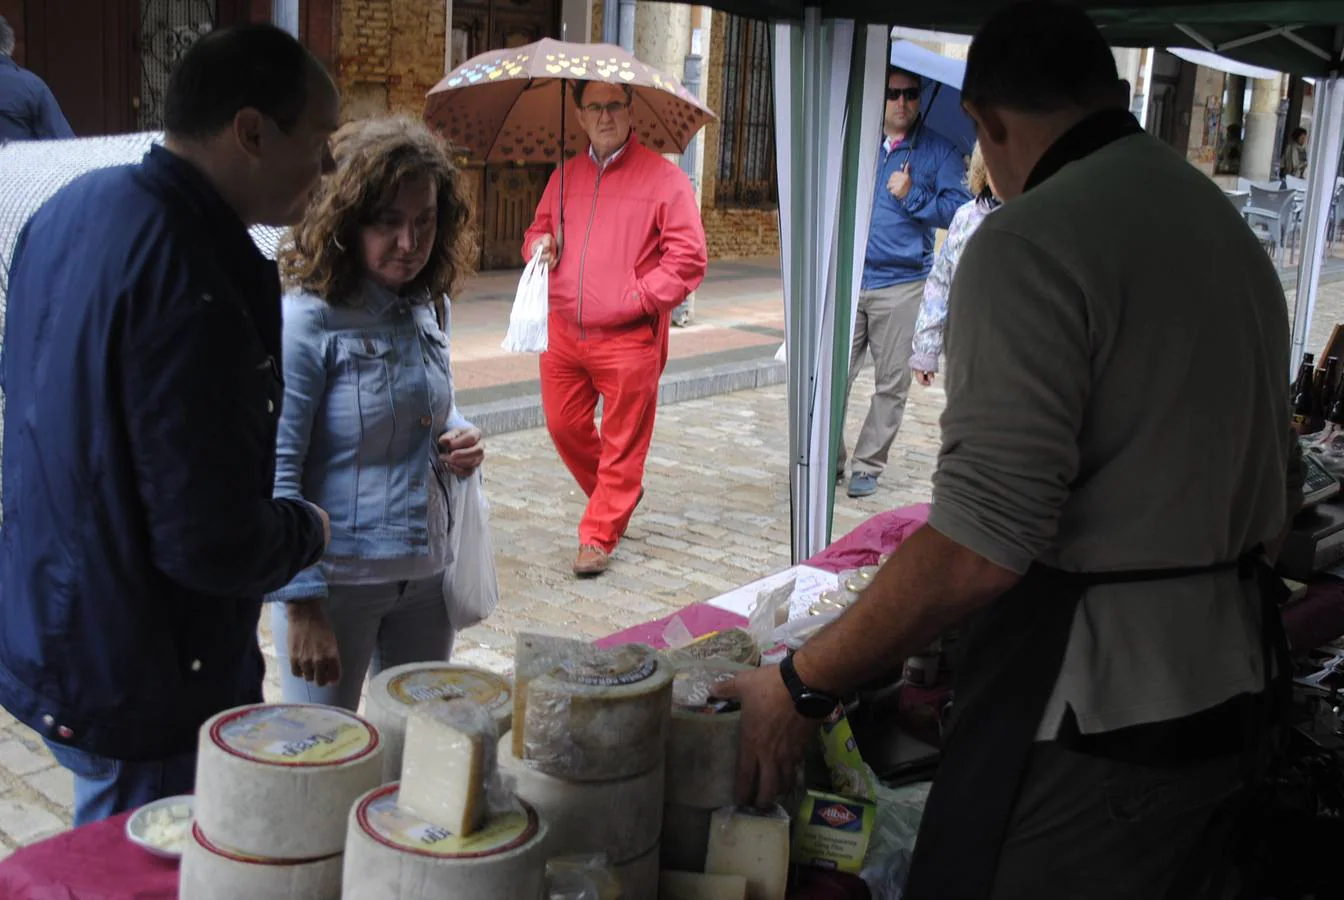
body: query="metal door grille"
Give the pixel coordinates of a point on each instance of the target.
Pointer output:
(167, 29)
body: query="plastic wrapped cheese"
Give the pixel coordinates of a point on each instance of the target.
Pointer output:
(685, 837)
(534, 654)
(598, 714)
(449, 764)
(276, 781)
(392, 855)
(639, 877)
(705, 736)
(396, 691)
(754, 844)
(698, 886)
(618, 818)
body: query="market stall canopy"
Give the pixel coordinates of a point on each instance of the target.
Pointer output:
(1300, 36)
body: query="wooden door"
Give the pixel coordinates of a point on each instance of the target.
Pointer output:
(505, 196)
(82, 49)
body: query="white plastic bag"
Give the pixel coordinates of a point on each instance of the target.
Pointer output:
(531, 307)
(470, 586)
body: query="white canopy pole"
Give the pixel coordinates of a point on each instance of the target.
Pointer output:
(1323, 163)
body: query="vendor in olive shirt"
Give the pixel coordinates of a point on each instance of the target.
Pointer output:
(1114, 456)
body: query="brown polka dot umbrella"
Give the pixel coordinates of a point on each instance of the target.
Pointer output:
(513, 106)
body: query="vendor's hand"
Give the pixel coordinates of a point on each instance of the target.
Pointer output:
(313, 654)
(899, 183)
(461, 451)
(547, 245)
(774, 735)
(924, 378)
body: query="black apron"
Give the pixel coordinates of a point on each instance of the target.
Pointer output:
(1014, 650)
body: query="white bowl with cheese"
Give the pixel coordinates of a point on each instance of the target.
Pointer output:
(162, 827)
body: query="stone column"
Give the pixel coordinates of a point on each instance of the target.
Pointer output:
(1257, 150)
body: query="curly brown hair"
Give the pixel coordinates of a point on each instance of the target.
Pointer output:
(373, 158)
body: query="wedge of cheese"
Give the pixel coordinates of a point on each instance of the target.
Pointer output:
(448, 761)
(697, 886)
(754, 844)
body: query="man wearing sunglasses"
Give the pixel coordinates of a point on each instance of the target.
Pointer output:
(632, 248)
(920, 186)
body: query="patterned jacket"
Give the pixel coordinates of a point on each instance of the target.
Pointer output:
(928, 343)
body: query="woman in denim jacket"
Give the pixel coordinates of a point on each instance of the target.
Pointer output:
(368, 429)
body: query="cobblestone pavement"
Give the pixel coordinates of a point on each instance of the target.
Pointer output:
(716, 516)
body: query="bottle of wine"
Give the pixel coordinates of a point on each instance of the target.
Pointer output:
(1304, 393)
(1328, 392)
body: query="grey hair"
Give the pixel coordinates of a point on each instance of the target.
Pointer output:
(577, 88)
(6, 37)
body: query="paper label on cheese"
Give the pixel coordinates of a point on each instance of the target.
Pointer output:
(384, 819)
(448, 684)
(616, 667)
(295, 735)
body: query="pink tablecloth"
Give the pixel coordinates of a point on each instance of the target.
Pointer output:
(95, 862)
(881, 534)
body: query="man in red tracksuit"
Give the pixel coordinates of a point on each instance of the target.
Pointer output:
(633, 248)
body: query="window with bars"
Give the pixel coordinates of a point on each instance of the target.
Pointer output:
(747, 176)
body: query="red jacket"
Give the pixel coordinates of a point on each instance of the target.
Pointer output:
(634, 245)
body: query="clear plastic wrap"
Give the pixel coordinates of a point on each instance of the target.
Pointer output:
(735, 644)
(590, 876)
(770, 612)
(702, 749)
(899, 811)
(597, 714)
(429, 789)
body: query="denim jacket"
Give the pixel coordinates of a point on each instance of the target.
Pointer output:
(360, 423)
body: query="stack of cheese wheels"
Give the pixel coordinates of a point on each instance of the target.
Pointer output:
(589, 749)
(391, 854)
(274, 785)
(395, 692)
(701, 759)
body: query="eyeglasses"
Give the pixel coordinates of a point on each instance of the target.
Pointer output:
(611, 109)
(911, 94)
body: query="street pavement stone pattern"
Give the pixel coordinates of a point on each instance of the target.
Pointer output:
(716, 516)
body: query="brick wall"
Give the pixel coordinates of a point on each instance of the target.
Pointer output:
(729, 233)
(391, 54)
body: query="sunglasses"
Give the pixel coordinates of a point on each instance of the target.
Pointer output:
(911, 94)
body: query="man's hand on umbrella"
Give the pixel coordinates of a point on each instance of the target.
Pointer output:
(547, 245)
(774, 735)
(899, 183)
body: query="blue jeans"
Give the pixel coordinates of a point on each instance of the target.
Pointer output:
(377, 627)
(105, 787)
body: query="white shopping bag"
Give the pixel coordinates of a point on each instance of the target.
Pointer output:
(470, 586)
(531, 306)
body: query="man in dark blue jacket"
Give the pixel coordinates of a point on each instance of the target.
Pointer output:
(28, 110)
(142, 383)
(921, 183)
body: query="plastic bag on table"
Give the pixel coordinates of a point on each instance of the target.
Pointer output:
(770, 612)
(470, 584)
(899, 811)
(531, 309)
(587, 877)
(466, 717)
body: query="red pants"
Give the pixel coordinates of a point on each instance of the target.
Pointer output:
(623, 368)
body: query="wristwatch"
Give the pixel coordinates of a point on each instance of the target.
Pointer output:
(810, 704)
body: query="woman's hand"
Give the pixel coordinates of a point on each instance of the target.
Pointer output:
(313, 654)
(924, 378)
(461, 451)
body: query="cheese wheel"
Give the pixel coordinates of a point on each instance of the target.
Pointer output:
(396, 691)
(734, 644)
(639, 877)
(704, 738)
(277, 780)
(685, 837)
(209, 872)
(599, 714)
(533, 655)
(392, 855)
(619, 818)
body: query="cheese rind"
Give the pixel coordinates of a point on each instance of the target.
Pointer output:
(619, 818)
(396, 691)
(392, 855)
(753, 844)
(276, 781)
(210, 873)
(639, 877)
(704, 738)
(685, 837)
(599, 714)
(448, 762)
(674, 885)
